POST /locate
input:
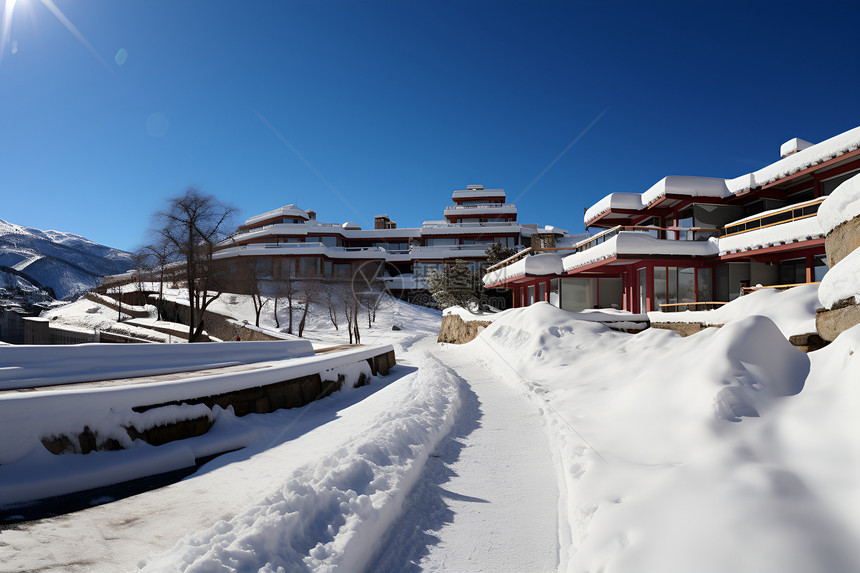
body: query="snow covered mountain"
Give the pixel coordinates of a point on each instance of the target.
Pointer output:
(37, 264)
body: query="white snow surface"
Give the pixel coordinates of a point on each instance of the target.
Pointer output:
(728, 450)
(791, 310)
(841, 282)
(840, 206)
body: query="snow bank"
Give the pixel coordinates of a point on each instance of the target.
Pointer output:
(467, 315)
(792, 310)
(330, 514)
(840, 206)
(652, 431)
(841, 282)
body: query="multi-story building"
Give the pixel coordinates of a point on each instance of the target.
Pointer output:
(689, 242)
(290, 239)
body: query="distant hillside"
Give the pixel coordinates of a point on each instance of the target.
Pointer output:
(36, 264)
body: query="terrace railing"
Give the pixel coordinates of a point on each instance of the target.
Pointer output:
(682, 306)
(793, 213)
(750, 289)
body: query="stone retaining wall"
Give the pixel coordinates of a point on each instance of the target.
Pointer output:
(457, 331)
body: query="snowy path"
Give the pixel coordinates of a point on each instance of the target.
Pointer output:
(488, 498)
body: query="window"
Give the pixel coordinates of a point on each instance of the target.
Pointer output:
(531, 294)
(643, 290)
(706, 287)
(441, 242)
(542, 292)
(821, 267)
(331, 241)
(553, 292)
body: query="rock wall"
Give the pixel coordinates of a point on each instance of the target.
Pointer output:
(684, 328)
(842, 240)
(457, 331)
(839, 243)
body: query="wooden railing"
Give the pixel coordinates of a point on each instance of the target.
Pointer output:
(787, 215)
(509, 260)
(748, 290)
(682, 306)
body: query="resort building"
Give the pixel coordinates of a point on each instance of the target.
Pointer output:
(292, 240)
(691, 242)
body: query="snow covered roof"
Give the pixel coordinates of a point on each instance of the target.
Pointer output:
(285, 211)
(805, 155)
(840, 206)
(540, 265)
(631, 201)
(686, 186)
(638, 243)
(351, 226)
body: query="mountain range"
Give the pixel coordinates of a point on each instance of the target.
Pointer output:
(38, 266)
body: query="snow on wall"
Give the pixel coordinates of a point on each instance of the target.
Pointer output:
(842, 281)
(840, 206)
(784, 233)
(26, 417)
(32, 365)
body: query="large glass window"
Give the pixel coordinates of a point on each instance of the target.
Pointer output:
(792, 272)
(706, 287)
(553, 292)
(578, 294)
(828, 186)
(331, 241)
(531, 294)
(686, 284)
(660, 287)
(309, 266)
(643, 290)
(542, 292)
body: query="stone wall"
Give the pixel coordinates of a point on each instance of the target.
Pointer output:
(842, 240)
(457, 331)
(217, 325)
(684, 328)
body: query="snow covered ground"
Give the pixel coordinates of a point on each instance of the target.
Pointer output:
(549, 443)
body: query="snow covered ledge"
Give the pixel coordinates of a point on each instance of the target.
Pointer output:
(839, 292)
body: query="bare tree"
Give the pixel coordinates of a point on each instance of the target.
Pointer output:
(285, 287)
(246, 277)
(308, 293)
(161, 253)
(333, 294)
(193, 223)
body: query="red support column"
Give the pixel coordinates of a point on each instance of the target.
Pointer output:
(649, 288)
(810, 268)
(625, 283)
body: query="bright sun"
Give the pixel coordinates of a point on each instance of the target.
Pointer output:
(6, 27)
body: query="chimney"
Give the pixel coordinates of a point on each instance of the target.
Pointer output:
(312, 215)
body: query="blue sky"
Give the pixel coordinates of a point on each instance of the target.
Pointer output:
(396, 104)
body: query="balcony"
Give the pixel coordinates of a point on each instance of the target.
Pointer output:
(483, 208)
(771, 218)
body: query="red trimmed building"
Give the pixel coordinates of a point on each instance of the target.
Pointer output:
(690, 242)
